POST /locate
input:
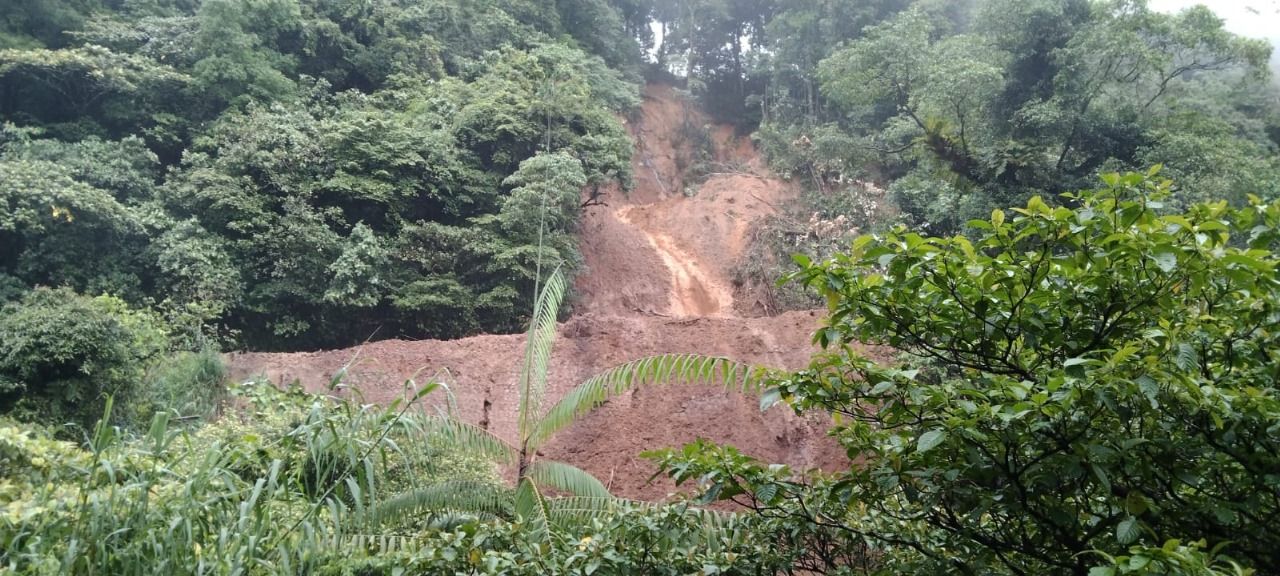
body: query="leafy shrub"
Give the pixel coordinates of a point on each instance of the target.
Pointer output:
(282, 485)
(314, 438)
(936, 204)
(1092, 389)
(61, 353)
(638, 539)
(189, 385)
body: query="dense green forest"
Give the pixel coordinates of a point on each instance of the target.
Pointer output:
(1061, 214)
(292, 175)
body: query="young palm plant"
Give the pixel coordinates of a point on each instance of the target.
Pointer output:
(578, 493)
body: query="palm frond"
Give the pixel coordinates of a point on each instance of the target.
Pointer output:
(578, 510)
(537, 351)
(477, 498)
(567, 478)
(716, 525)
(376, 543)
(450, 519)
(662, 369)
(470, 438)
(531, 508)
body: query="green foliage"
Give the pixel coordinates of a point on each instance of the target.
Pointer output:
(287, 482)
(189, 385)
(88, 90)
(819, 226)
(355, 280)
(51, 221)
(302, 173)
(1085, 388)
(234, 44)
(63, 201)
(61, 354)
(396, 204)
(960, 107)
(805, 526)
(274, 488)
(629, 540)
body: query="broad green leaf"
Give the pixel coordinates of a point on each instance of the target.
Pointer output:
(1166, 260)
(930, 440)
(1128, 531)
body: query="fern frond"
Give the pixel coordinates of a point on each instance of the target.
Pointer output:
(567, 478)
(376, 543)
(537, 351)
(531, 507)
(716, 526)
(451, 519)
(578, 510)
(478, 498)
(662, 369)
(470, 438)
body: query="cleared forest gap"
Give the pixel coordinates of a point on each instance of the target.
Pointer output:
(658, 264)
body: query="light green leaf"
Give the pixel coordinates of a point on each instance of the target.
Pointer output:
(930, 440)
(1186, 359)
(1128, 531)
(1166, 260)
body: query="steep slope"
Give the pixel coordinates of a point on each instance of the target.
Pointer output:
(698, 232)
(658, 280)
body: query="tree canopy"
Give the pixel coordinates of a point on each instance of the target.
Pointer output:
(293, 174)
(959, 107)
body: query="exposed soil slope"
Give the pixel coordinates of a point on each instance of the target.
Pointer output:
(658, 280)
(697, 239)
(483, 371)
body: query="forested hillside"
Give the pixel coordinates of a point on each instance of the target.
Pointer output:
(286, 174)
(301, 174)
(971, 287)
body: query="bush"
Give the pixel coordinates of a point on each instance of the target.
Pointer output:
(189, 385)
(61, 354)
(275, 487)
(634, 539)
(1093, 390)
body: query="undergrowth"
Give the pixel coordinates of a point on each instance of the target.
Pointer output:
(817, 226)
(285, 482)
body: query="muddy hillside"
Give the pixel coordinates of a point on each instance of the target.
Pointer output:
(658, 279)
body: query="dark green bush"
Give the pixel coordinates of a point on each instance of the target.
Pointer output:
(62, 353)
(189, 385)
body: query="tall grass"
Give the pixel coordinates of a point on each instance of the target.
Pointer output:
(290, 483)
(269, 489)
(190, 385)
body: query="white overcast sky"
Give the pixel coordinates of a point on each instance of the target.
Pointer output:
(1256, 18)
